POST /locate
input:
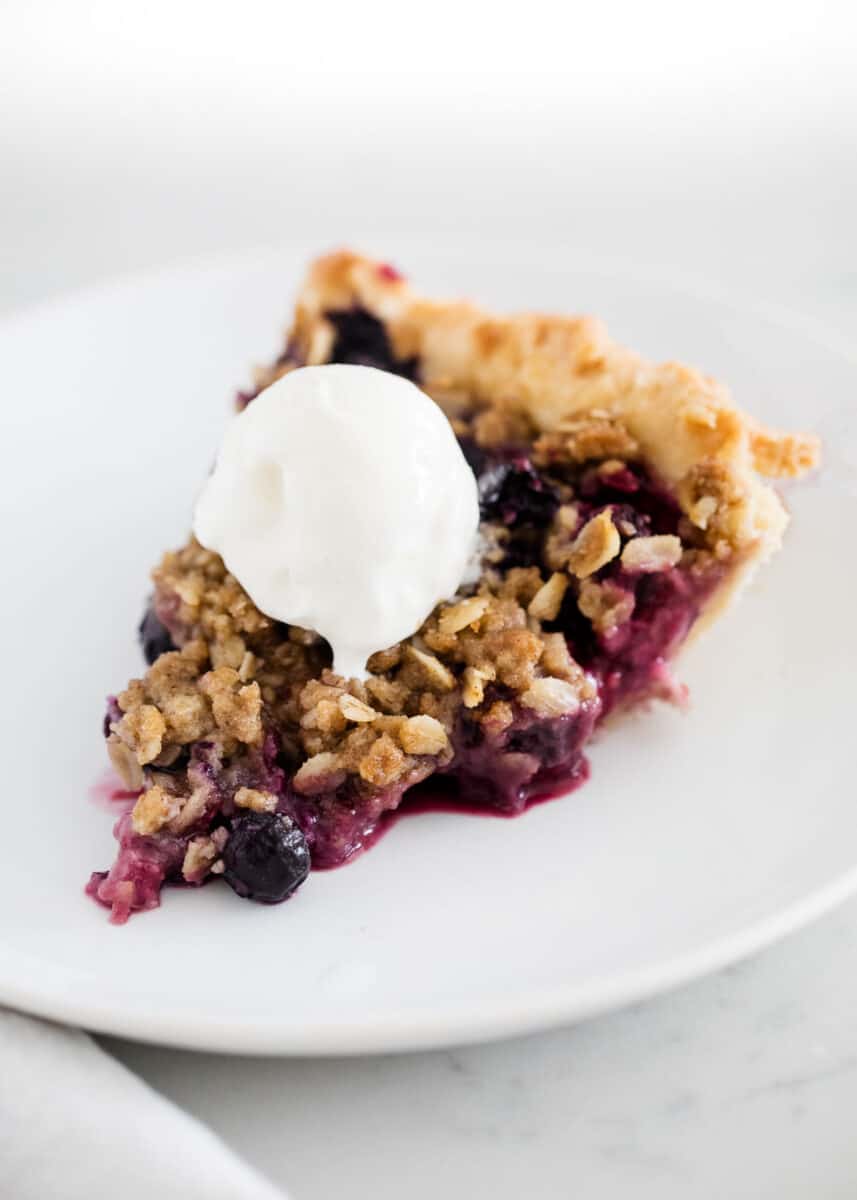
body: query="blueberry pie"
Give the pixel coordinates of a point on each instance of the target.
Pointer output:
(621, 504)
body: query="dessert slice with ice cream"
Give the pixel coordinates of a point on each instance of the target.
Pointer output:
(438, 548)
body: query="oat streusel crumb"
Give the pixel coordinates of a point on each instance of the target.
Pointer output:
(153, 810)
(597, 544)
(657, 553)
(545, 605)
(255, 800)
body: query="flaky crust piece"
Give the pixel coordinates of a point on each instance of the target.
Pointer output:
(568, 378)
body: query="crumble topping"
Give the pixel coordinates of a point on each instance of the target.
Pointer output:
(143, 728)
(356, 710)
(784, 455)
(428, 669)
(319, 773)
(377, 731)
(124, 762)
(605, 604)
(238, 674)
(203, 856)
(383, 763)
(473, 683)
(591, 436)
(206, 597)
(153, 810)
(458, 616)
(494, 427)
(713, 499)
(556, 661)
(237, 708)
(561, 535)
(423, 735)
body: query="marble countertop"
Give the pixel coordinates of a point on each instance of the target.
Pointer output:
(741, 1085)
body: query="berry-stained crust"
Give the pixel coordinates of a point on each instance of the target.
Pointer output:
(253, 760)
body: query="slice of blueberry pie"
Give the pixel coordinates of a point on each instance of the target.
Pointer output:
(588, 510)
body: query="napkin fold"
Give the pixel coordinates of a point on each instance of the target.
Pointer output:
(75, 1124)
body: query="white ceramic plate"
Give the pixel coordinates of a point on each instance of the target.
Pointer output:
(699, 839)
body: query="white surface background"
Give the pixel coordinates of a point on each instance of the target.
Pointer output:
(716, 141)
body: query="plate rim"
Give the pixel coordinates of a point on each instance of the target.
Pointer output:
(423, 1029)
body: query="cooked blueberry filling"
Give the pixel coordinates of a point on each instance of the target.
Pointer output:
(509, 771)
(142, 866)
(514, 495)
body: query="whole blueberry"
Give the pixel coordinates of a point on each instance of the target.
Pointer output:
(266, 857)
(363, 340)
(155, 638)
(513, 493)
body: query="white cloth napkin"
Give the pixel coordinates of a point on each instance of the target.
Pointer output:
(75, 1124)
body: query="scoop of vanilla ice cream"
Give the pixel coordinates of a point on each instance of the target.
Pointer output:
(342, 503)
